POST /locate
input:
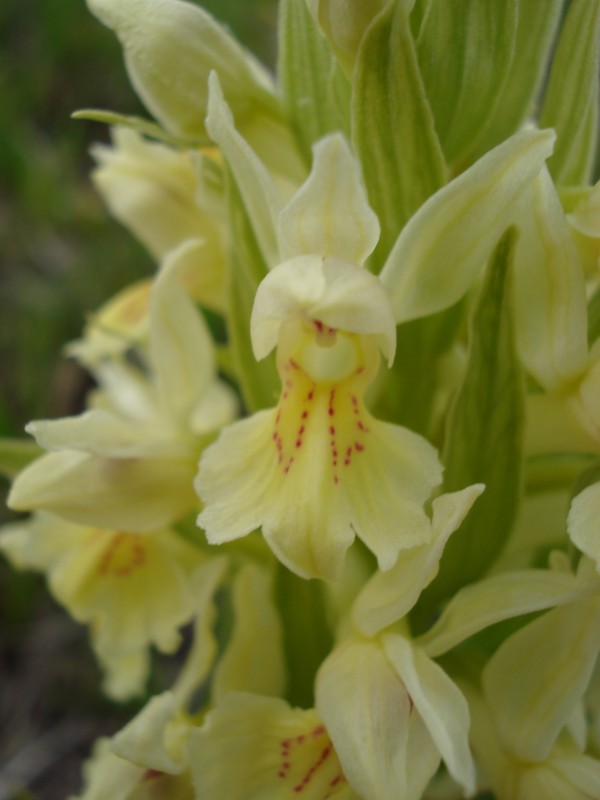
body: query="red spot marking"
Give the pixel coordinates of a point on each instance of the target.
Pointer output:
(359, 370)
(318, 730)
(275, 436)
(336, 780)
(135, 553)
(362, 427)
(336, 479)
(309, 774)
(332, 430)
(354, 399)
(284, 396)
(331, 411)
(301, 431)
(358, 446)
(304, 414)
(285, 743)
(298, 442)
(318, 325)
(334, 452)
(150, 774)
(293, 364)
(310, 395)
(289, 383)
(300, 738)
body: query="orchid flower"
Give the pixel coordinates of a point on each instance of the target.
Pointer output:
(139, 443)
(324, 469)
(133, 589)
(155, 191)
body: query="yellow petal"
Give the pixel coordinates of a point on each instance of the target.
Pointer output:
(155, 738)
(322, 470)
(138, 494)
(368, 713)
(330, 214)
(244, 666)
(443, 248)
(252, 746)
(152, 189)
(170, 48)
(439, 702)
(107, 775)
(389, 596)
(330, 291)
(582, 522)
(535, 679)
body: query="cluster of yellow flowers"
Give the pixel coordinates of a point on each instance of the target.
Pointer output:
(388, 566)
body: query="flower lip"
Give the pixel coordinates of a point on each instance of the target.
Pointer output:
(333, 294)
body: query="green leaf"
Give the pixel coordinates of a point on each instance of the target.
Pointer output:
(139, 124)
(571, 100)
(310, 80)
(16, 454)
(535, 33)
(392, 126)
(580, 160)
(465, 50)
(259, 382)
(485, 430)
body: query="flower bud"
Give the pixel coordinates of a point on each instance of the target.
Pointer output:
(170, 47)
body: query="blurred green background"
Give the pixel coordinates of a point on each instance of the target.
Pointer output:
(60, 257)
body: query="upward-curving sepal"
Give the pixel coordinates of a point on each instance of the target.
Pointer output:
(444, 246)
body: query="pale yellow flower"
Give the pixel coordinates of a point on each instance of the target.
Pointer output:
(133, 590)
(319, 469)
(155, 191)
(128, 462)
